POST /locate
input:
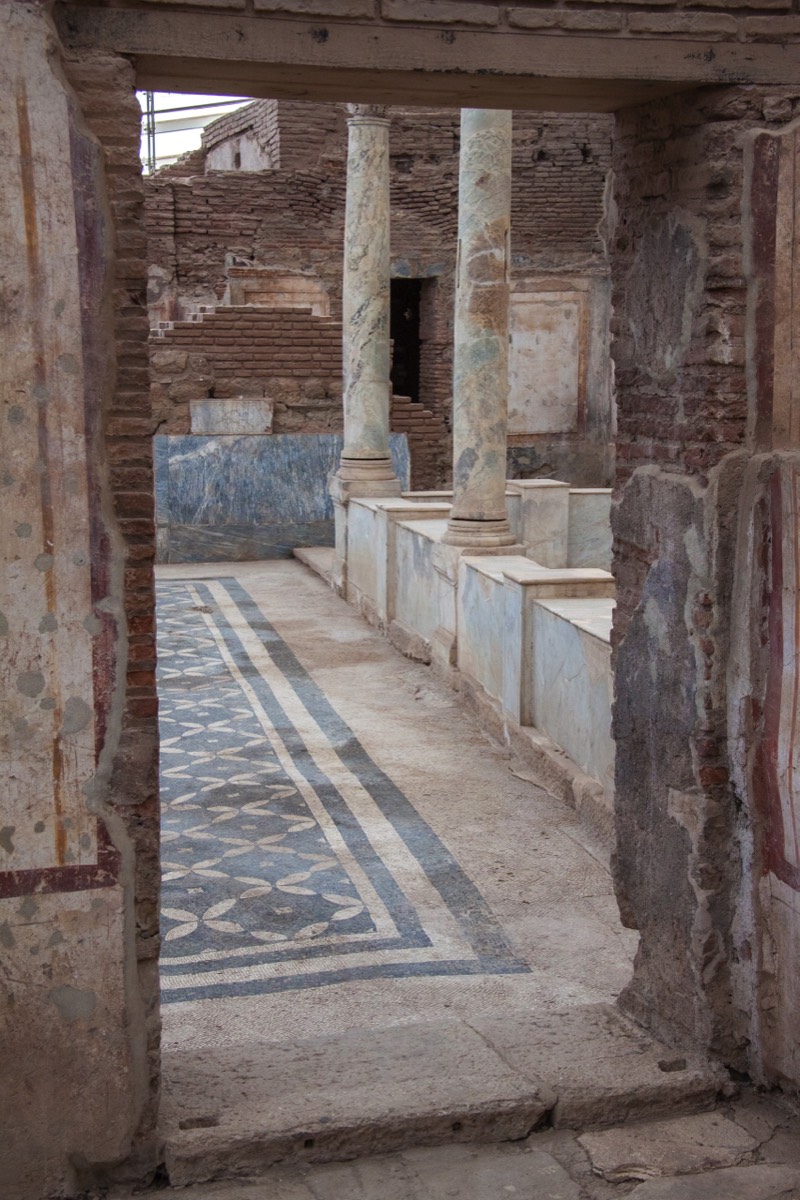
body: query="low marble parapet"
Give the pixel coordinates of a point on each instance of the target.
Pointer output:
(572, 681)
(566, 582)
(589, 542)
(543, 524)
(224, 498)
(239, 416)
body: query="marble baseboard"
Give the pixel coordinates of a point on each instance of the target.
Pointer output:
(240, 543)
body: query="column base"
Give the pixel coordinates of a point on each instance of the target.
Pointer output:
(364, 477)
(482, 536)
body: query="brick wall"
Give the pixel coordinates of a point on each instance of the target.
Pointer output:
(287, 355)
(261, 120)
(293, 218)
(105, 88)
(428, 437)
(688, 840)
(680, 291)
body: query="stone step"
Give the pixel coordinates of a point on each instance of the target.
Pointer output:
(236, 1111)
(318, 558)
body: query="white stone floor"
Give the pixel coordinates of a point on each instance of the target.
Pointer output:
(545, 883)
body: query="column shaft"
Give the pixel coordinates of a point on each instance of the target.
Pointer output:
(480, 369)
(365, 301)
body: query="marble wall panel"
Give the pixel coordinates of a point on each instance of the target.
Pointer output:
(547, 365)
(47, 619)
(65, 1021)
(589, 530)
(228, 498)
(366, 551)
(572, 681)
(238, 416)
(481, 622)
(424, 601)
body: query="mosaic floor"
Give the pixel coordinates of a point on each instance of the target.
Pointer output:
(290, 858)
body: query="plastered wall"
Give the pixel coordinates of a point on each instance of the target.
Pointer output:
(78, 865)
(705, 538)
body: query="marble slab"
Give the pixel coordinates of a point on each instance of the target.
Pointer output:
(423, 600)
(589, 540)
(547, 361)
(241, 543)
(235, 498)
(572, 686)
(242, 415)
(481, 619)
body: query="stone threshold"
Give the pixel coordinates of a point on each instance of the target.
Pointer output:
(234, 1112)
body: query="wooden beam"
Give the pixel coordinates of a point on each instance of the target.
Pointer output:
(268, 56)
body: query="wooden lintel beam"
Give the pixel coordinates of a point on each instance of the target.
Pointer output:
(338, 60)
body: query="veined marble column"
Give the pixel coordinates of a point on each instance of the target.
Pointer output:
(365, 460)
(479, 517)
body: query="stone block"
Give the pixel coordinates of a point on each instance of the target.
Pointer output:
(571, 684)
(239, 416)
(560, 583)
(762, 1182)
(241, 1109)
(544, 519)
(601, 1068)
(589, 534)
(680, 1146)
(200, 3)
(440, 12)
(713, 25)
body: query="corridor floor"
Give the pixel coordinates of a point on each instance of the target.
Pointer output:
(343, 848)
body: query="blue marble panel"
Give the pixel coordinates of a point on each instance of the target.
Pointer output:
(161, 475)
(248, 497)
(242, 543)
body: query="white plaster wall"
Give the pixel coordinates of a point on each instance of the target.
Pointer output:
(572, 680)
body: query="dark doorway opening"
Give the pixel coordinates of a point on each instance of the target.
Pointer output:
(404, 332)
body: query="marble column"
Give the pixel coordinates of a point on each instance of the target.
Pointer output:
(479, 518)
(366, 467)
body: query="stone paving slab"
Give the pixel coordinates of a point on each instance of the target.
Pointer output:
(236, 1111)
(762, 1182)
(602, 1068)
(674, 1147)
(465, 1172)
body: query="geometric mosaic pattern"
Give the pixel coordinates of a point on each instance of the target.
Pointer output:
(289, 858)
